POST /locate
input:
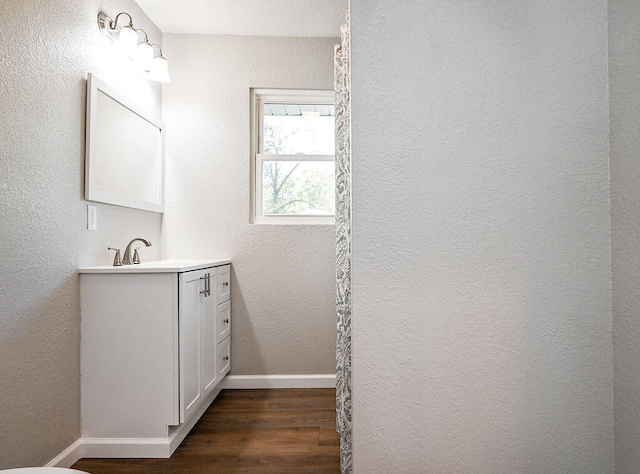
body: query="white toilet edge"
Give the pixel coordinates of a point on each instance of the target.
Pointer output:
(41, 470)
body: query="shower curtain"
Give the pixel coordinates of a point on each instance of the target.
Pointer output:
(342, 80)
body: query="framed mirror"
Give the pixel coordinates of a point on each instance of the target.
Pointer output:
(124, 161)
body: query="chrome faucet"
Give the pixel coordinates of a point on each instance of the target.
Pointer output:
(126, 259)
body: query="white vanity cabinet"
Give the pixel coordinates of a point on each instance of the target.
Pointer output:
(154, 348)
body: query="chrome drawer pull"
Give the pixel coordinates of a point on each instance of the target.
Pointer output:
(226, 283)
(226, 321)
(225, 358)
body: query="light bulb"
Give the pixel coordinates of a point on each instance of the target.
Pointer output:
(143, 56)
(159, 70)
(127, 40)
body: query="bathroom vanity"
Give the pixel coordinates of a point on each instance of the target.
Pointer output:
(155, 346)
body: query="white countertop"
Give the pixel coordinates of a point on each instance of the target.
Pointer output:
(157, 266)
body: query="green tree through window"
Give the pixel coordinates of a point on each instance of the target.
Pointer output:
(296, 187)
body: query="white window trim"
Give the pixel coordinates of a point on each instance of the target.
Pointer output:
(283, 96)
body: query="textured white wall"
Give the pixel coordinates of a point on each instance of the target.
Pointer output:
(481, 252)
(283, 278)
(46, 50)
(624, 92)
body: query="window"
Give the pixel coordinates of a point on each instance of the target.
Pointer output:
(293, 160)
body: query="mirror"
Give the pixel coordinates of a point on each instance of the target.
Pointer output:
(124, 162)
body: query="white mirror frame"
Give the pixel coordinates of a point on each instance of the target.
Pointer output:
(92, 193)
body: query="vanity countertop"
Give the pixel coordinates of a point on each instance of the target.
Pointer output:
(157, 266)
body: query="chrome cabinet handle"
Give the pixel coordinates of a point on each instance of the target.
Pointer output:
(205, 286)
(226, 321)
(226, 283)
(226, 358)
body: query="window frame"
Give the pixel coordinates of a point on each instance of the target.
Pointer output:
(260, 97)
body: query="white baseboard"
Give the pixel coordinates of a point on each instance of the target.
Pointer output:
(125, 448)
(164, 447)
(112, 448)
(131, 447)
(68, 457)
(232, 382)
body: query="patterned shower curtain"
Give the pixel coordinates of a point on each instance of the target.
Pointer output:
(342, 80)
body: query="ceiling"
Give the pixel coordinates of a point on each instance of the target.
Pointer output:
(311, 18)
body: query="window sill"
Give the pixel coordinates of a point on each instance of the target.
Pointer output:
(295, 220)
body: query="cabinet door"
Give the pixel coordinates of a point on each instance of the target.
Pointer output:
(190, 287)
(224, 283)
(209, 332)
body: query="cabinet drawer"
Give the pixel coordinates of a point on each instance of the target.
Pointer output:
(223, 326)
(224, 283)
(224, 357)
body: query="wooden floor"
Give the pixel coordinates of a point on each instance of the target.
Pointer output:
(249, 431)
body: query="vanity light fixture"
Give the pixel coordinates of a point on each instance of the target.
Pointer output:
(126, 38)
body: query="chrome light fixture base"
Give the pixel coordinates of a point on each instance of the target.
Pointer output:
(105, 26)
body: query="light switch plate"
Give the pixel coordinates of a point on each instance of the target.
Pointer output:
(92, 217)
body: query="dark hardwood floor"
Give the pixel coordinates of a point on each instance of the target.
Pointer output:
(250, 431)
